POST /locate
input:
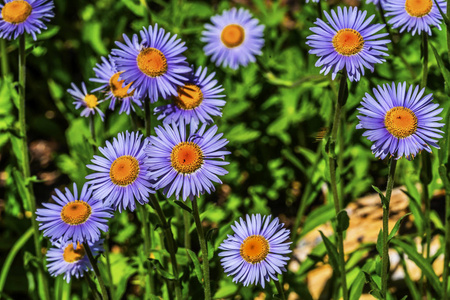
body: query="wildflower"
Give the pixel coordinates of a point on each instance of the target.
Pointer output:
(19, 16)
(120, 178)
(234, 38)
(400, 122)
(256, 252)
(415, 15)
(72, 218)
(154, 66)
(106, 73)
(69, 260)
(82, 98)
(197, 101)
(186, 165)
(348, 42)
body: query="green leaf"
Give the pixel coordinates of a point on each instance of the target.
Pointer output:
(444, 71)
(343, 221)
(160, 269)
(317, 217)
(380, 242)
(209, 235)
(357, 287)
(210, 249)
(197, 268)
(226, 290)
(374, 289)
(183, 206)
(382, 197)
(21, 187)
(396, 227)
(332, 253)
(416, 211)
(421, 262)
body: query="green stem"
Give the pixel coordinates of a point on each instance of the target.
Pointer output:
(108, 264)
(4, 54)
(445, 178)
(280, 289)
(319, 10)
(340, 156)
(12, 253)
(149, 280)
(42, 279)
(333, 182)
(171, 248)
(187, 227)
(92, 286)
(203, 247)
(93, 262)
(425, 59)
(385, 255)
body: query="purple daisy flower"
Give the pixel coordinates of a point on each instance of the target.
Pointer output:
(155, 66)
(121, 177)
(71, 260)
(108, 76)
(400, 121)
(256, 252)
(234, 38)
(197, 101)
(349, 42)
(90, 102)
(74, 218)
(415, 15)
(19, 16)
(189, 163)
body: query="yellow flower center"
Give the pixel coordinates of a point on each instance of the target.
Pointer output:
(117, 88)
(401, 122)
(71, 255)
(254, 249)
(152, 62)
(76, 212)
(418, 8)
(348, 42)
(16, 12)
(232, 35)
(124, 170)
(186, 157)
(91, 101)
(189, 96)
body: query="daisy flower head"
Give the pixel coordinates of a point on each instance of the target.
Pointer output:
(19, 16)
(120, 177)
(74, 218)
(82, 98)
(415, 15)
(348, 42)
(70, 260)
(155, 65)
(106, 74)
(400, 121)
(234, 38)
(257, 251)
(197, 101)
(186, 165)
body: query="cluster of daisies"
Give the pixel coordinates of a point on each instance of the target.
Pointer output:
(186, 155)
(400, 121)
(184, 158)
